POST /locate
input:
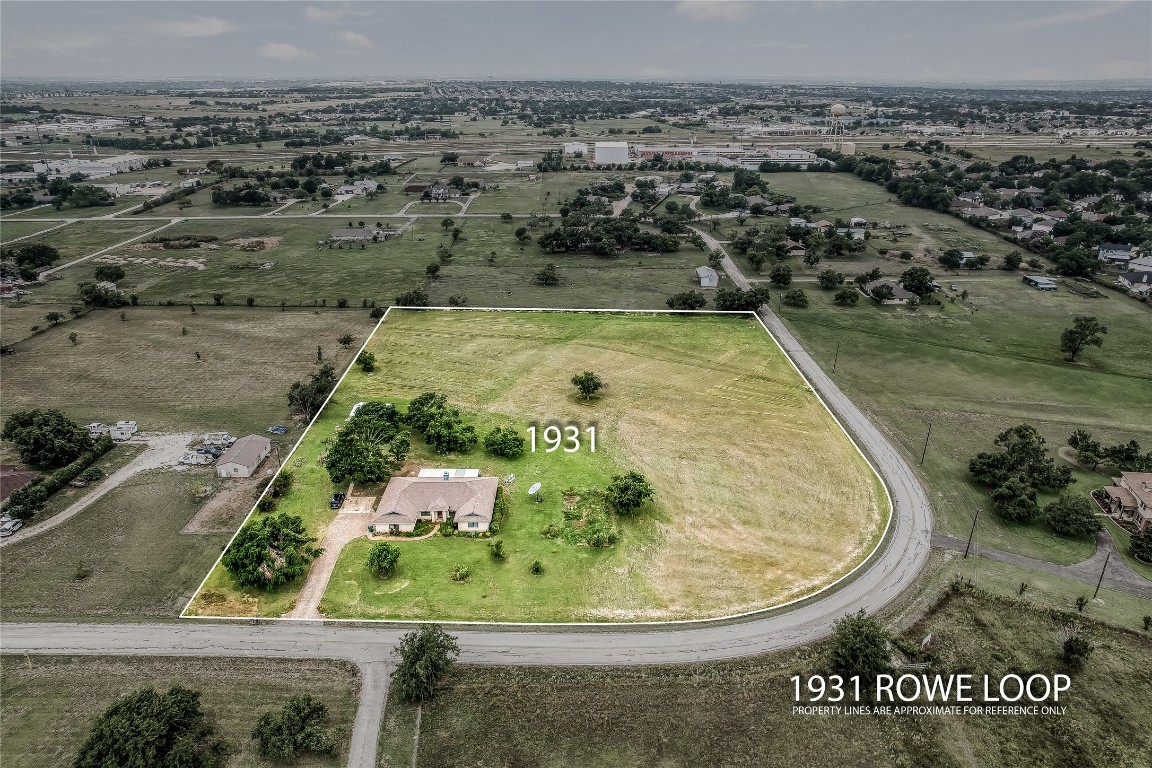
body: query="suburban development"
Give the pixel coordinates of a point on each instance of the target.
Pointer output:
(704, 411)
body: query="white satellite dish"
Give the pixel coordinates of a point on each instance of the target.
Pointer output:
(535, 489)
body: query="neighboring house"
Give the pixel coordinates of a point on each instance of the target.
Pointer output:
(1042, 227)
(1088, 203)
(689, 188)
(960, 204)
(1114, 252)
(245, 455)
(707, 277)
(467, 501)
(1137, 283)
(1040, 283)
(899, 294)
(976, 198)
(471, 161)
(1056, 215)
(362, 234)
(856, 221)
(989, 214)
(1142, 264)
(1129, 498)
(525, 165)
(1023, 214)
(442, 192)
(190, 183)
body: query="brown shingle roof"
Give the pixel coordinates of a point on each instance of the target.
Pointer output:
(406, 497)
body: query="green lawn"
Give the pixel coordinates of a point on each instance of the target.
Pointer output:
(740, 713)
(1123, 541)
(728, 533)
(972, 369)
(50, 702)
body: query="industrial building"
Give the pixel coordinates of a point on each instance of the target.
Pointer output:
(612, 153)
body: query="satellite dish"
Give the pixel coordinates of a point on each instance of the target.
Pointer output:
(535, 489)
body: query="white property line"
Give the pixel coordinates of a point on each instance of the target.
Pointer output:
(604, 624)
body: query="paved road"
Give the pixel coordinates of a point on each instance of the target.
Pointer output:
(1119, 576)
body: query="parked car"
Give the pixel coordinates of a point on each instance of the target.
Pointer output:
(10, 527)
(78, 483)
(337, 500)
(279, 429)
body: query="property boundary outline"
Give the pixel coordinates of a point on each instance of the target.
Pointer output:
(881, 539)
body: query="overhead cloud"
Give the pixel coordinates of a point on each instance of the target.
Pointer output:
(198, 26)
(284, 52)
(329, 12)
(352, 39)
(780, 45)
(724, 10)
(1083, 14)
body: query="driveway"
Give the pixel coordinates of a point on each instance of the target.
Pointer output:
(343, 529)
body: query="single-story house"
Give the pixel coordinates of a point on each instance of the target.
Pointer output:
(972, 197)
(899, 294)
(856, 221)
(797, 222)
(1023, 214)
(471, 161)
(442, 192)
(960, 204)
(1137, 283)
(245, 455)
(1042, 227)
(525, 165)
(468, 501)
(989, 214)
(1087, 203)
(1115, 252)
(1129, 498)
(707, 277)
(1142, 264)
(191, 183)
(1040, 283)
(362, 234)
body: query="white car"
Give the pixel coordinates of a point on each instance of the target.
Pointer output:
(10, 527)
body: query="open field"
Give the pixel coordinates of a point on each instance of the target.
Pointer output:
(51, 701)
(972, 369)
(739, 713)
(146, 370)
(124, 557)
(760, 498)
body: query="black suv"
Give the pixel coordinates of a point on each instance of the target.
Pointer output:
(337, 500)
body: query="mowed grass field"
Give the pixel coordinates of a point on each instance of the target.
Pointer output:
(143, 368)
(973, 369)
(50, 702)
(740, 713)
(124, 557)
(760, 497)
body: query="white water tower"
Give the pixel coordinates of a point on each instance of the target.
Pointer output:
(837, 111)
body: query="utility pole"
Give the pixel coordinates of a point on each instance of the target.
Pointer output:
(1102, 570)
(971, 534)
(924, 452)
(836, 358)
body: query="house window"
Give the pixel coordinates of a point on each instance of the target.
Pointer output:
(473, 525)
(425, 513)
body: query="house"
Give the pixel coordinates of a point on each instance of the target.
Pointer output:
(1042, 227)
(245, 455)
(960, 204)
(1087, 203)
(442, 192)
(899, 294)
(1142, 264)
(856, 221)
(1114, 252)
(1129, 499)
(822, 224)
(988, 214)
(191, 183)
(707, 277)
(470, 161)
(1137, 283)
(525, 165)
(797, 222)
(1040, 283)
(977, 198)
(689, 188)
(466, 501)
(1056, 215)
(1023, 214)
(356, 138)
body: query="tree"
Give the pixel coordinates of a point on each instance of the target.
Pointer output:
(587, 384)
(1076, 650)
(1142, 545)
(736, 300)
(417, 297)
(270, 551)
(432, 270)
(426, 655)
(46, 438)
(371, 446)
(1014, 500)
(1022, 457)
(504, 441)
(109, 272)
(859, 646)
(367, 361)
(297, 727)
(796, 298)
(74, 338)
(1085, 331)
(218, 299)
(1012, 261)
(93, 295)
(346, 340)
(382, 558)
(687, 300)
(830, 279)
(952, 258)
(54, 318)
(918, 280)
(846, 297)
(497, 550)
(628, 492)
(1072, 516)
(757, 259)
(307, 398)
(146, 728)
(781, 275)
(548, 275)
(447, 433)
(447, 224)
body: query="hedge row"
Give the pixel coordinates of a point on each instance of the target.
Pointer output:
(27, 501)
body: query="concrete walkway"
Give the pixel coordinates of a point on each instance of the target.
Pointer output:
(343, 529)
(374, 677)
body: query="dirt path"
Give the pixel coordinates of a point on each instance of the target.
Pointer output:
(163, 451)
(346, 527)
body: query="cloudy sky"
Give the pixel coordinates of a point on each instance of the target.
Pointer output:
(932, 41)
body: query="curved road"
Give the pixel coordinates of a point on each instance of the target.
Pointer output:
(890, 571)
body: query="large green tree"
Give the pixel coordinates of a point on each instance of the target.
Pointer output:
(588, 384)
(370, 447)
(628, 492)
(504, 441)
(1086, 331)
(859, 646)
(298, 727)
(1072, 515)
(308, 397)
(271, 551)
(46, 438)
(383, 558)
(147, 729)
(426, 655)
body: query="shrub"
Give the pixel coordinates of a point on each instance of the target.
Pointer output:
(383, 558)
(504, 441)
(297, 727)
(846, 297)
(796, 298)
(1077, 648)
(461, 572)
(426, 655)
(537, 568)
